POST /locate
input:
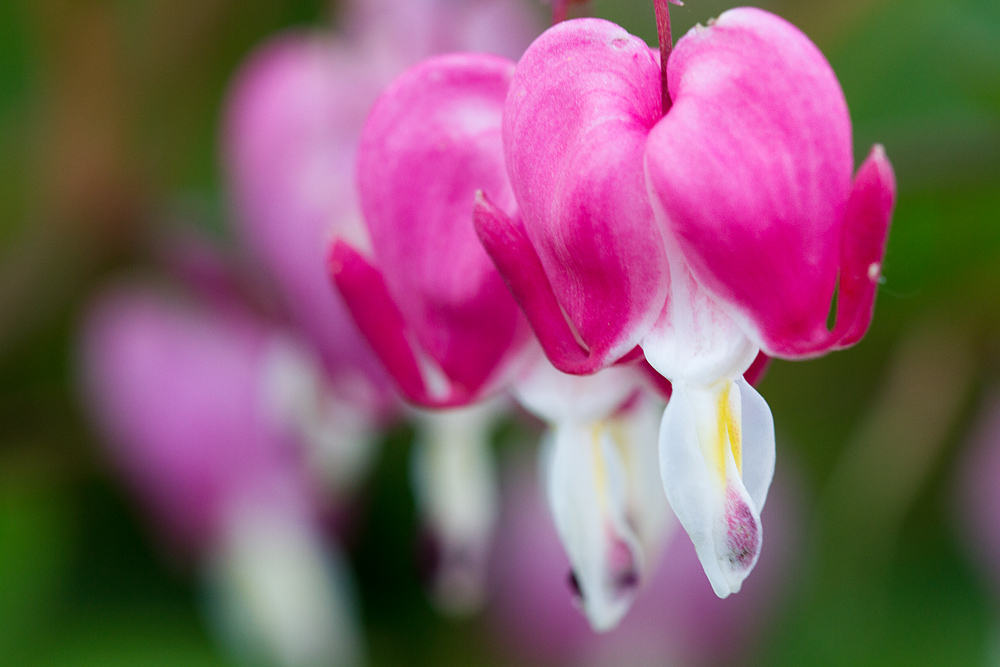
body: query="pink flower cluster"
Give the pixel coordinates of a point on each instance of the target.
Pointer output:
(617, 238)
(696, 206)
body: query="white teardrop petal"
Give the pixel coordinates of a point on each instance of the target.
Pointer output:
(698, 439)
(454, 478)
(587, 495)
(758, 443)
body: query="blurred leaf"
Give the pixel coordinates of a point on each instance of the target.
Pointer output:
(921, 77)
(152, 639)
(34, 536)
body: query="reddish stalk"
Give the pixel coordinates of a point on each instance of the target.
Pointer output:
(560, 9)
(662, 8)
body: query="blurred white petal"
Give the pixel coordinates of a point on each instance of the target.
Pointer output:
(338, 430)
(454, 478)
(279, 592)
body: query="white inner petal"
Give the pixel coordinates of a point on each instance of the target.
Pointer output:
(706, 455)
(553, 396)
(694, 340)
(588, 498)
(607, 502)
(758, 443)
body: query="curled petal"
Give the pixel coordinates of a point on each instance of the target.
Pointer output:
(752, 169)
(376, 314)
(581, 104)
(758, 369)
(863, 239)
(507, 242)
(708, 457)
(431, 141)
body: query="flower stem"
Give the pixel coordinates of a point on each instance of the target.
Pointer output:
(666, 46)
(560, 9)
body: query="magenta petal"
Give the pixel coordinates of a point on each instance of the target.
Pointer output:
(752, 168)
(364, 290)
(863, 238)
(431, 141)
(583, 100)
(506, 240)
(758, 369)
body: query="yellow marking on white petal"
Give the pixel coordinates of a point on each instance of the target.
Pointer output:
(728, 433)
(735, 427)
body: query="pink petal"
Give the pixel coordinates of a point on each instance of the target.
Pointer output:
(506, 240)
(582, 102)
(752, 167)
(431, 141)
(758, 369)
(863, 238)
(378, 318)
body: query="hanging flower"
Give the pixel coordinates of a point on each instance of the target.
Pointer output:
(291, 127)
(704, 211)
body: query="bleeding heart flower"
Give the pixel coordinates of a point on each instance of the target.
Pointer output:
(704, 232)
(429, 300)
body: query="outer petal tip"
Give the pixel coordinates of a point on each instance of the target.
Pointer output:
(864, 237)
(364, 291)
(506, 241)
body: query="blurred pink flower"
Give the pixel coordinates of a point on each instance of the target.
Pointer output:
(184, 397)
(179, 392)
(291, 128)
